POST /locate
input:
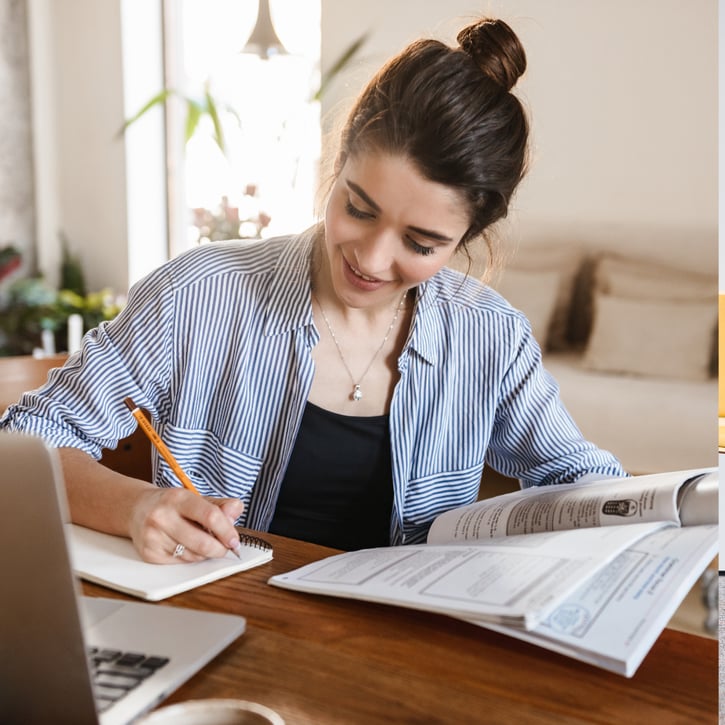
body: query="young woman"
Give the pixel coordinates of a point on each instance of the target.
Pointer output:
(344, 385)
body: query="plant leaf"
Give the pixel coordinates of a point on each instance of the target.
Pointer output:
(193, 114)
(347, 55)
(158, 100)
(214, 115)
(196, 108)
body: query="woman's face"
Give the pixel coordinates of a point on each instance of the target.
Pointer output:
(387, 229)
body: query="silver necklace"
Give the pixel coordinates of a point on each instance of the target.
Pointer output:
(356, 390)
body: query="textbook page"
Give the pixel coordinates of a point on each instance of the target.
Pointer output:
(517, 580)
(114, 562)
(613, 619)
(609, 502)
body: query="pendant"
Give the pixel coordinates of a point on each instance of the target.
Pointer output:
(356, 393)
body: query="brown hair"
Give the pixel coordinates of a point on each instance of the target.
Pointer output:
(450, 112)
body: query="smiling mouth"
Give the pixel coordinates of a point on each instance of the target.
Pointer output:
(362, 276)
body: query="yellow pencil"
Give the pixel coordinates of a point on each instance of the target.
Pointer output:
(160, 446)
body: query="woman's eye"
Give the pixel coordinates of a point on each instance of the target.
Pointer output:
(353, 211)
(420, 248)
(356, 213)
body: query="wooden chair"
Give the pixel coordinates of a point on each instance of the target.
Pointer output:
(21, 373)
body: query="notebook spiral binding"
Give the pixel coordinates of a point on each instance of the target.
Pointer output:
(254, 541)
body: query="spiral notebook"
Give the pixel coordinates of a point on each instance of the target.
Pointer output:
(114, 562)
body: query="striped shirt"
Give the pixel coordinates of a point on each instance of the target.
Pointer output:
(216, 344)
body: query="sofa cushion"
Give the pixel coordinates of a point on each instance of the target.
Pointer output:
(637, 279)
(651, 337)
(535, 294)
(651, 424)
(563, 259)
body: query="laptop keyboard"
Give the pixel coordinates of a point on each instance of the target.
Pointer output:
(115, 673)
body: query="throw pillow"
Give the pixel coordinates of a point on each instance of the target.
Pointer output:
(535, 294)
(656, 338)
(565, 261)
(641, 280)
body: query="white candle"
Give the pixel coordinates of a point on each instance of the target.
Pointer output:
(48, 340)
(75, 332)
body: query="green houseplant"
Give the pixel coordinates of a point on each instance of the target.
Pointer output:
(29, 306)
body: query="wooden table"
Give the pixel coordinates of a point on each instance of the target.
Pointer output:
(321, 660)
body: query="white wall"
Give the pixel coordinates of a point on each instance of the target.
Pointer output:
(76, 70)
(623, 101)
(82, 92)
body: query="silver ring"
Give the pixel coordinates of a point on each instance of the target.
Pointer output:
(178, 551)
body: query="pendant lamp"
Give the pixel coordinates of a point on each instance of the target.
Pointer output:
(264, 41)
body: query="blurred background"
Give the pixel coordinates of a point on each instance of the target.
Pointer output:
(623, 99)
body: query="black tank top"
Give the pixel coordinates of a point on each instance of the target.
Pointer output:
(338, 488)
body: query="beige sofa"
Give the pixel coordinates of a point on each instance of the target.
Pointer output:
(631, 342)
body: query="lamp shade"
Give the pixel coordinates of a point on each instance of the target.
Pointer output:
(264, 41)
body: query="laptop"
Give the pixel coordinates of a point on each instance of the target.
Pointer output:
(67, 658)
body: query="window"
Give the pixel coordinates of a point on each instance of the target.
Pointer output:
(264, 183)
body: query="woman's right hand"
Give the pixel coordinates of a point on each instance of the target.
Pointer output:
(169, 525)
(157, 520)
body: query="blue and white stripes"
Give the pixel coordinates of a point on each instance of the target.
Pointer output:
(217, 346)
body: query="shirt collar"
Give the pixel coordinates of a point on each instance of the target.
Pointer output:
(426, 325)
(289, 304)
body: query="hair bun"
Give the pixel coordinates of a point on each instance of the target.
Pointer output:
(496, 50)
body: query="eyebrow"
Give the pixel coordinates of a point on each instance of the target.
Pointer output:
(436, 236)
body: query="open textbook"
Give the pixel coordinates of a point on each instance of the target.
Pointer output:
(114, 562)
(613, 618)
(562, 566)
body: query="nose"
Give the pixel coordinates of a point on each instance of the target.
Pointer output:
(374, 254)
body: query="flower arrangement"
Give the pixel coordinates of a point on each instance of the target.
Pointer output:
(225, 222)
